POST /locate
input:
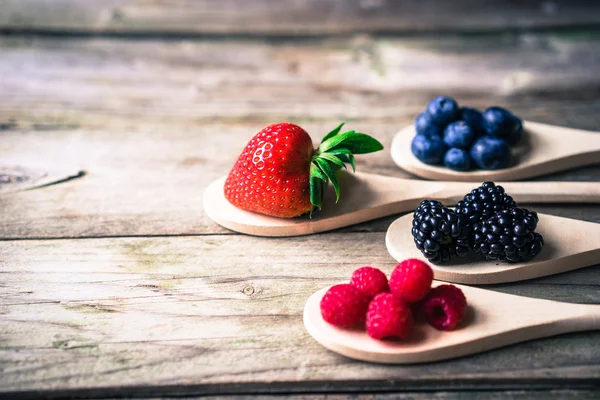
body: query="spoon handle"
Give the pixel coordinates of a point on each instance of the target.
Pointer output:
(587, 318)
(569, 137)
(532, 192)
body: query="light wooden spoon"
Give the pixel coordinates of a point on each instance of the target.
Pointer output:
(367, 196)
(546, 149)
(493, 320)
(568, 244)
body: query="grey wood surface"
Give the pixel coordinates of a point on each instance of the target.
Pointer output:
(115, 283)
(152, 122)
(472, 395)
(222, 313)
(289, 17)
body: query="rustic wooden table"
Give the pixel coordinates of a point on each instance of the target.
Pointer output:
(115, 283)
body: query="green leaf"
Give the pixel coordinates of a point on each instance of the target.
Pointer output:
(316, 193)
(339, 151)
(333, 132)
(352, 162)
(315, 172)
(333, 159)
(318, 182)
(359, 143)
(346, 159)
(334, 141)
(330, 173)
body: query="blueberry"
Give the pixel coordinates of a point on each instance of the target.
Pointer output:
(424, 126)
(499, 122)
(457, 159)
(428, 148)
(517, 133)
(473, 118)
(490, 153)
(443, 110)
(459, 134)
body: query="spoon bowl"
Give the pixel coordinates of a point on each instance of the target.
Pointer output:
(485, 327)
(367, 196)
(545, 149)
(569, 244)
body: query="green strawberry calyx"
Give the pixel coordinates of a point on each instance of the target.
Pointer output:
(335, 151)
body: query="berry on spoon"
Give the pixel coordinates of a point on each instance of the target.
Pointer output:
(411, 280)
(443, 110)
(344, 305)
(459, 134)
(281, 174)
(370, 281)
(388, 317)
(445, 307)
(457, 159)
(429, 149)
(490, 153)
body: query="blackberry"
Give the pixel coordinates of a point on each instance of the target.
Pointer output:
(483, 202)
(439, 232)
(509, 235)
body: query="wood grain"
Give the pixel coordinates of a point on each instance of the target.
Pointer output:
(291, 17)
(152, 122)
(218, 314)
(73, 83)
(439, 395)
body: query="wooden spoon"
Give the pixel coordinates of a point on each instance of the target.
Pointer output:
(493, 320)
(546, 149)
(367, 196)
(568, 244)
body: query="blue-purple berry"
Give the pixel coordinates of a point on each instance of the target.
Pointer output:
(424, 125)
(473, 118)
(499, 122)
(490, 153)
(517, 132)
(443, 110)
(459, 134)
(429, 149)
(457, 159)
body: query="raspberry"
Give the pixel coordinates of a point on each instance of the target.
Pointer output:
(370, 280)
(344, 305)
(388, 317)
(445, 307)
(411, 280)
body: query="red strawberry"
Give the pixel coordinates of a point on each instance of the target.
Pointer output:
(279, 173)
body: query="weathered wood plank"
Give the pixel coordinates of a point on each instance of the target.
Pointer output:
(152, 122)
(218, 314)
(151, 182)
(291, 17)
(73, 83)
(470, 395)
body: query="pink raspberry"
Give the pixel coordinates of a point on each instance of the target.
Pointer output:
(344, 305)
(445, 307)
(370, 280)
(388, 317)
(411, 280)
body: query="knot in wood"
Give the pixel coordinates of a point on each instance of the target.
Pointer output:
(248, 290)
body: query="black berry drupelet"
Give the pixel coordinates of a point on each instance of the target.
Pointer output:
(509, 235)
(483, 202)
(439, 232)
